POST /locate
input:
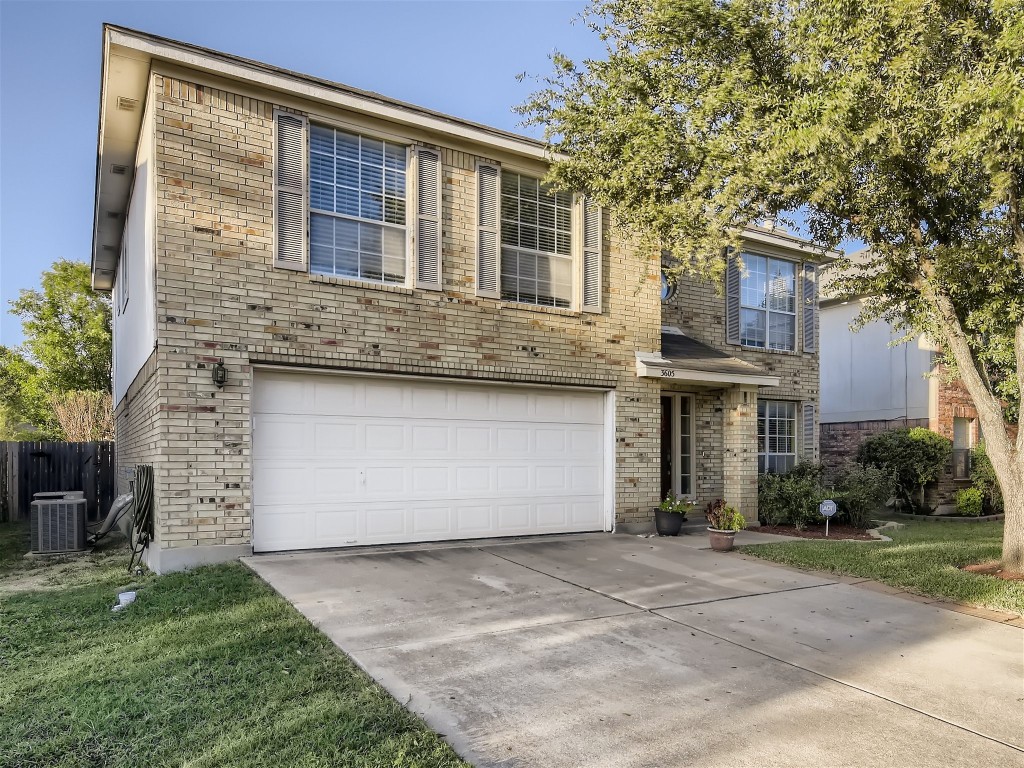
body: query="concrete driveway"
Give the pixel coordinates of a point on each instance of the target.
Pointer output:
(620, 651)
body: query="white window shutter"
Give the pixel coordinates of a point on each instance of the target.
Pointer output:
(428, 219)
(290, 191)
(732, 300)
(488, 240)
(810, 448)
(593, 238)
(809, 289)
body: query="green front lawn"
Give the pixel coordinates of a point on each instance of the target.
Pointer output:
(208, 668)
(924, 558)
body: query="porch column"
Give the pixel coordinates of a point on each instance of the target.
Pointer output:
(739, 439)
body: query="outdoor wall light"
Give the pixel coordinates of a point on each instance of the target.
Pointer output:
(220, 375)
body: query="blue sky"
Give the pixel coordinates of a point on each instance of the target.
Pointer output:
(457, 57)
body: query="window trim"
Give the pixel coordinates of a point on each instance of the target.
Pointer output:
(766, 310)
(961, 456)
(575, 255)
(792, 404)
(411, 190)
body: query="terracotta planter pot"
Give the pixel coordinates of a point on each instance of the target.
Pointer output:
(721, 541)
(668, 523)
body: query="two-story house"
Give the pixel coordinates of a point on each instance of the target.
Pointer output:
(880, 377)
(344, 320)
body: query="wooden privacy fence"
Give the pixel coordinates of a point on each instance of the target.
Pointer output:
(29, 468)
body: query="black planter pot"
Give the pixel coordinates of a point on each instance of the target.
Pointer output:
(668, 523)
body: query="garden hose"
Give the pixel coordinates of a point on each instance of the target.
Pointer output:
(142, 524)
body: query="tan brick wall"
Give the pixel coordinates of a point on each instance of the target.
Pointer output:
(726, 429)
(137, 427)
(220, 299)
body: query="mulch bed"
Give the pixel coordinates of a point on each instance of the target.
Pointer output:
(994, 569)
(818, 532)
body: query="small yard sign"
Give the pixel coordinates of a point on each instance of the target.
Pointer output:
(827, 508)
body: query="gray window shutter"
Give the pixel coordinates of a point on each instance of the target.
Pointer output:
(810, 448)
(593, 237)
(290, 185)
(428, 219)
(809, 288)
(488, 219)
(732, 299)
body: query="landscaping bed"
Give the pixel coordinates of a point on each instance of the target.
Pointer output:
(835, 531)
(921, 558)
(206, 668)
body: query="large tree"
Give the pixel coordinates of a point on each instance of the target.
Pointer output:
(67, 348)
(899, 123)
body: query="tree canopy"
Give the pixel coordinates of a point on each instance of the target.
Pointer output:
(67, 348)
(899, 123)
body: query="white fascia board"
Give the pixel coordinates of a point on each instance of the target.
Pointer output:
(656, 367)
(806, 247)
(269, 77)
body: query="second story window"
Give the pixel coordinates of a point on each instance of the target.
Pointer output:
(536, 242)
(357, 206)
(768, 303)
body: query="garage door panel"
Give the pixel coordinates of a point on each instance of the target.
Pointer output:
(336, 526)
(334, 437)
(330, 398)
(552, 515)
(340, 461)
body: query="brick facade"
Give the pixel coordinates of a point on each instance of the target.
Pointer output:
(840, 441)
(219, 299)
(726, 427)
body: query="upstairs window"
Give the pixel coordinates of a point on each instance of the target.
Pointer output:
(357, 206)
(536, 242)
(768, 303)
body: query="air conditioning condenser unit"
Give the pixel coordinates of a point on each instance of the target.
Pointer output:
(58, 525)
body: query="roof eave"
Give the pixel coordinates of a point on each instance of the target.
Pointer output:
(792, 243)
(656, 367)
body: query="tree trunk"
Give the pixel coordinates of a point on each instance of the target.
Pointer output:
(1013, 525)
(1006, 455)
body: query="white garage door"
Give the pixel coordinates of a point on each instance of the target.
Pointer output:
(352, 460)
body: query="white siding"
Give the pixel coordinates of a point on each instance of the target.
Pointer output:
(863, 378)
(135, 324)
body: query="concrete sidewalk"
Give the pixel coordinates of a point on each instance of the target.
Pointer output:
(602, 650)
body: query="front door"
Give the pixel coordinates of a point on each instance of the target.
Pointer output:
(677, 438)
(666, 447)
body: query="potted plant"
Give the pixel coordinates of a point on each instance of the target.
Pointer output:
(670, 515)
(723, 522)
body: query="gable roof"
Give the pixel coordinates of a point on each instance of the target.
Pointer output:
(128, 58)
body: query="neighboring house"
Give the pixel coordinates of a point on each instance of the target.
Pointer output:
(872, 380)
(344, 320)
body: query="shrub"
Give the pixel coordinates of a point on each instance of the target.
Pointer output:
(792, 498)
(915, 457)
(860, 490)
(723, 518)
(984, 479)
(677, 505)
(970, 502)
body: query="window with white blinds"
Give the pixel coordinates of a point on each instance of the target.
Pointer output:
(536, 242)
(357, 206)
(776, 436)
